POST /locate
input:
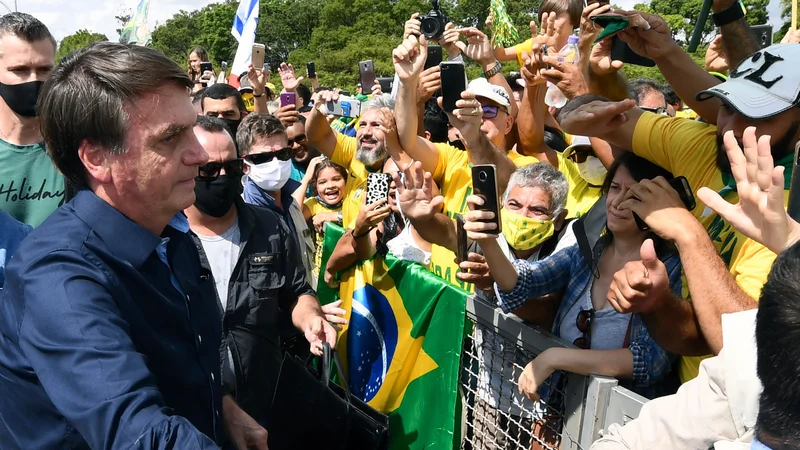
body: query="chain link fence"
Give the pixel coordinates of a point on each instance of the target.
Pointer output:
(495, 416)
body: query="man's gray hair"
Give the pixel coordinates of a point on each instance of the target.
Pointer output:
(25, 27)
(378, 102)
(545, 177)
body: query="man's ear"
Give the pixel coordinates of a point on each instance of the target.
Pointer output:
(509, 124)
(558, 223)
(96, 162)
(427, 135)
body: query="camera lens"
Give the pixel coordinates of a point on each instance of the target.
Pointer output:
(430, 28)
(483, 176)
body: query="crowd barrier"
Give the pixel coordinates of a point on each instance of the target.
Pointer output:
(496, 416)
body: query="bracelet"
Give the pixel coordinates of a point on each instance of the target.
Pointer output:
(258, 95)
(728, 16)
(339, 217)
(494, 70)
(362, 235)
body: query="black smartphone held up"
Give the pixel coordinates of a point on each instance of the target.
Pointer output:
(620, 51)
(378, 187)
(461, 235)
(434, 56)
(454, 82)
(311, 69)
(367, 71)
(484, 185)
(387, 83)
(206, 67)
(681, 185)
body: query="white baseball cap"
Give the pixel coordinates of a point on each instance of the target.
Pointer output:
(482, 88)
(764, 85)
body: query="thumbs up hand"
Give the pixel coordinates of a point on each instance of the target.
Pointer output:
(640, 285)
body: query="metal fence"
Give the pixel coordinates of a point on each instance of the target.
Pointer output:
(496, 417)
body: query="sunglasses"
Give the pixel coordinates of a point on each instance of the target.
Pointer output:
(212, 170)
(490, 111)
(584, 324)
(659, 111)
(283, 154)
(298, 139)
(579, 156)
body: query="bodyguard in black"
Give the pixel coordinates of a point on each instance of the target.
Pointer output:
(259, 275)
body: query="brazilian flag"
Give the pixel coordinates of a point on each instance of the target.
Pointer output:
(402, 345)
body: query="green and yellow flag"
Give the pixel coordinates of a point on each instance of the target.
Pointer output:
(402, 345)
(137, 30)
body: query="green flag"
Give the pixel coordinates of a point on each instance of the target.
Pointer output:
(402, 345)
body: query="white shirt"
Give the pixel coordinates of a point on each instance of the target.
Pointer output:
(222, 252)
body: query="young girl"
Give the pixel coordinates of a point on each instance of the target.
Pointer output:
(328, 180)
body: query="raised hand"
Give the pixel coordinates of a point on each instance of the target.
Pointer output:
(258, 79)
(467, 117)
(600, 62)
(596, 118)
(429, 83)
(288, 115)
(411, 27)
(478, 47)
(415, 192)
(567, 77)
(759, 214)
(716, 61)
(449, 40)
(288, 78)
(648, 35)
(588, 32)
(640, 285)
(409, 58)
(475, 221)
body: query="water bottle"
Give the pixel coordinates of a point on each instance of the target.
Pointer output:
(570, 54)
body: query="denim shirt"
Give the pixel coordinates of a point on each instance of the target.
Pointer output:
(100, 349)
(568, 272)
(12, 232)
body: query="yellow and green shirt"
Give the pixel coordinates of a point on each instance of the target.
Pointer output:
(689, 148)
(345, 155)
(315, 207)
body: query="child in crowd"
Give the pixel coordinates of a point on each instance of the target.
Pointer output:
(328, 180)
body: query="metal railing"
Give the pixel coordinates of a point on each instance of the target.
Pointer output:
(496, 416)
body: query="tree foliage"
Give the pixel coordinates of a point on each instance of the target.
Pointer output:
(77, 41)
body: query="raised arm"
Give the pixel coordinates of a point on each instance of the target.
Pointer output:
(737, 37)
(479, 49)
(595, 116)
(318, 130)
(258, 80)
(421, 207)
(532, 113)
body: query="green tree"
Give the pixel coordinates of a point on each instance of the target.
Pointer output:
(786, 15)
(77, 41)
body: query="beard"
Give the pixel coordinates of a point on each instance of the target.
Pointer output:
(372, 158)
(784, 146)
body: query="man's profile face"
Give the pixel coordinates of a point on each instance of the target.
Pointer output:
(219, 146)
(156, 174)
(227, 108)
(22, 61)
(783, 128)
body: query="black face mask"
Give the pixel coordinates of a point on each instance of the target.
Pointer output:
(21, 98)
(233, 126)
(216, 198)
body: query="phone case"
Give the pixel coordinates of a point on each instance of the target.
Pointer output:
(454, 82)
(257, 56)
(344, 107)
(367, 70)
(288, 98)
(377, 187)
(461, 235)
(206, 66)
(620, 51)
(311, 69)
(387, 83)
(484, 184)
(434, 56)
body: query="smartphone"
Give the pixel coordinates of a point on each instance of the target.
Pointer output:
(311, 69)
(620, 51)
(288, 98)
(378, 187)
(367, 71)
(484, 185)
(461, 235)
(387, 83)
(434, 56)
(224, 65)
(344, 107)
(257, 57)
(454, 82)
(206, 67)
(681, 185)
(267, 68)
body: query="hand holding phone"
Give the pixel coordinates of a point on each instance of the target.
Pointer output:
(367, 71)
(484, 185)
(288, 98)
(311, 70)
(378, 188)
(454, 82)
(461, 235)
(257, 57)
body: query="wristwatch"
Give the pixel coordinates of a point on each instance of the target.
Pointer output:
(339, 217)
(257, 95)
(494, 70)
(730, 15)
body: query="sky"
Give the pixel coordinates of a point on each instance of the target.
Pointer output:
(66, 17)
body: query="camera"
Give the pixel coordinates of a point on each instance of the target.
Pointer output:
(432, 24)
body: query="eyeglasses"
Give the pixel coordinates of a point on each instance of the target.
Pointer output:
(298, 139)
(659, 111)
(490, 111)
(211, 171)
(584, 324)
(579, 156)
(283, 154)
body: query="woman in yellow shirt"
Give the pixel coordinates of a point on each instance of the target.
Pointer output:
(328, 180)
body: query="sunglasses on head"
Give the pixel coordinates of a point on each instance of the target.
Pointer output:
(584, 324)
(659, 111)
(298, 139)
(580, 155)
(283, 154)
(212, 170)
(490, 111)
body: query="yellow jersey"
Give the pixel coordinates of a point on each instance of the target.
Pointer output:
(315, 207)
(345, 155)
(525, 46)
(689, 148)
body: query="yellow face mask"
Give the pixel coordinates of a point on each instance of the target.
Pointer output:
(249, 101)
(523, 233)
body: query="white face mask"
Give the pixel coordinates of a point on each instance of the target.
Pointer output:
(593, 171)
(270, 176)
